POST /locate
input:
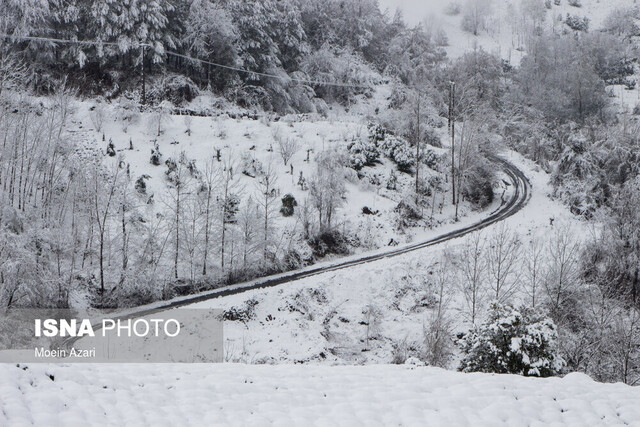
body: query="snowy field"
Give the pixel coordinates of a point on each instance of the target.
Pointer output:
(245, 395)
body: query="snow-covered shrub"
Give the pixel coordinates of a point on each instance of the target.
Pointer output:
(175, 88)
(576, 23)
(366, 210)
(141, 184)
(289, 204)
(251, 166)
(512, 341)
(478, 186)
(329, 242)
(408, 214)
(438, 342)
(128, 114)
(429, 158)
(231, 208)
(397, 150)
(111, 149)
(575, 3)
(392, 181)
(243, 313)
(362, 153)
(403, 156)
(156, 155)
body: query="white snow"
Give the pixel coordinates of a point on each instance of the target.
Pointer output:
(247, 395)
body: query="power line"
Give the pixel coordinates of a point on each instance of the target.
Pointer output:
(242, 70)
(54, 40)
(190, 58)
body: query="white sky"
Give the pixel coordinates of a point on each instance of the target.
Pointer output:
(414, 11)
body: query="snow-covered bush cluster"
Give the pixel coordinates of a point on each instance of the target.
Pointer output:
(512, 341)
(362, 153)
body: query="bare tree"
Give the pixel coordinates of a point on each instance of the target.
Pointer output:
(188, 124)
(438, 328)
(178, 182)
(103, 202)
(160, 117)
(626, 348)
(327, 187)
(229, 186)
(372, 319)
(287, 147)
(503, 256)
(535, 262)
(210, 183)
(249, 226)
(561, 277)
(474, 269)
(98, 116)
(267, 197)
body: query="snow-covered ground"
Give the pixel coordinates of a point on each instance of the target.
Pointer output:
(250, 142)
(247, 395)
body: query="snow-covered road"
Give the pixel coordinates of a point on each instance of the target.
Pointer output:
(517, 198)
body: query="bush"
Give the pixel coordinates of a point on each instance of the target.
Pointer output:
(175, 88)
(478, 188)
(512, 341)
(156, 156)
(362, 153)
(576, 23)
(289, 204)
(141, 185)
(408, 214)
(366, 210)
(329, 242)
(243, 313)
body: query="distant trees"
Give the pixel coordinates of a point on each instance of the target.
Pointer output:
(474, 15)
(544, 81)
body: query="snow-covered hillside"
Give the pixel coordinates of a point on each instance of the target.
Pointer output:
(373, 313)
(241, 395)
(503, 23)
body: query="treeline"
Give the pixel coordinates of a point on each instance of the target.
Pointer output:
(346, 42)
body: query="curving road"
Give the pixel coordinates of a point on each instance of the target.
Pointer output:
(519, 198)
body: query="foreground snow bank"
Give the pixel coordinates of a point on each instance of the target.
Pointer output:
(228, 394)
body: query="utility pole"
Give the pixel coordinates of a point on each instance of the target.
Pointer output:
(144, 78)
(452, 129)
(418, 136)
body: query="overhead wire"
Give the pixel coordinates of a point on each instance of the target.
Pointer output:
(190, 58)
